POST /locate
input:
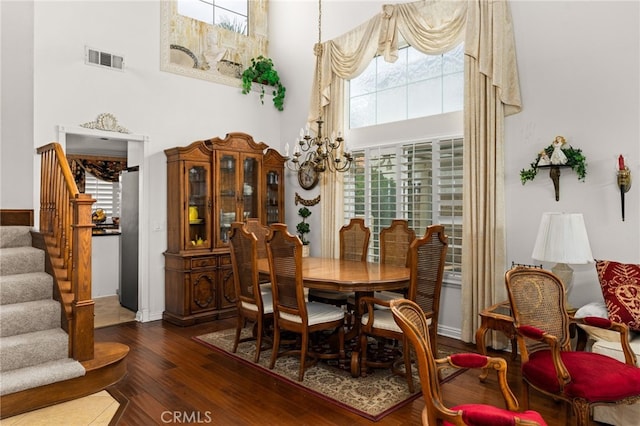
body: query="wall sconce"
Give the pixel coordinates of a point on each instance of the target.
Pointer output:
(624, 181)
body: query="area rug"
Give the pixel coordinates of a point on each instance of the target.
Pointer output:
(372, 397)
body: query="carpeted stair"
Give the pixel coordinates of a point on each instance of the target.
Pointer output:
(33, 347)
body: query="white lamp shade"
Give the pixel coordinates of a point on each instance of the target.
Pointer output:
(562, 238)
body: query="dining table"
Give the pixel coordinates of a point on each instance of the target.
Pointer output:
(348, 276)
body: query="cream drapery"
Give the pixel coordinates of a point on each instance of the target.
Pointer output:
(491, 92)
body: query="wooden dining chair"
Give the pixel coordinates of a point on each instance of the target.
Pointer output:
(354, 240)
(252, 303)
(394, 243)
(415, 326)
(394, 250)
(261, 231)
(291, 311)
(427, 256)
(354, 245)
(548, 363)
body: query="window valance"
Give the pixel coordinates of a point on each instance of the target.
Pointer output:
(103, 168)
(432, 27)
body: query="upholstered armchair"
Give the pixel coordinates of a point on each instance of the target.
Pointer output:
(415, 326)
(582, 379)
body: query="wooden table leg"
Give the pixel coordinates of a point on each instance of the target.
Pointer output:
(482, 348)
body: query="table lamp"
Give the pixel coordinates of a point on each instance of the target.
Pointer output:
(562, 238)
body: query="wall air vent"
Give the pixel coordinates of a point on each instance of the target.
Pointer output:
(103, 59)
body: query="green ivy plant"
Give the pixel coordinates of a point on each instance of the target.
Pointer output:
(261, 71)
(303, 227)
(575, 159)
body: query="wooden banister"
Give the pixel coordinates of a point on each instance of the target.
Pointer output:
(65, 222)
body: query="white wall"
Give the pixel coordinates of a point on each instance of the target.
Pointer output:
(579, 65)
(16, 104)
(171, 109)
(579, 74)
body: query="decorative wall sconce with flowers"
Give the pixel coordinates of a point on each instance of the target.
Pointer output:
(554, 157)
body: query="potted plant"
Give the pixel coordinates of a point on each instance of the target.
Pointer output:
(303, 228)
(261, 71)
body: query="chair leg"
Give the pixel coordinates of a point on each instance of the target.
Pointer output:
(363, 354)
(581, 411)
(276, 347)
(303, 354)
(239, 324)
(406, 351)
(258, 339)
(525, 396)
(433, 337)
(341, 352)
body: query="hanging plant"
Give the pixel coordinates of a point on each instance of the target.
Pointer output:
(261, 71)
(550, 156)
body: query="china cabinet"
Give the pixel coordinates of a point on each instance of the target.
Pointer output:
(210, 184)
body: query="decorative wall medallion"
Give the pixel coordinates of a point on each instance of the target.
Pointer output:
(304, 202)
(106, 121)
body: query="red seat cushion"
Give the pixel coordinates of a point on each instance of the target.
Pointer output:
(488, 415)
(594, 377)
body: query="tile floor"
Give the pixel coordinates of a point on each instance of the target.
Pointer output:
(93, 410)
(108, 311)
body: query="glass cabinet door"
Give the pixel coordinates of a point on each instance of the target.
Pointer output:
(250, 187)
(199, 209)
(273, 197)
(228, 195)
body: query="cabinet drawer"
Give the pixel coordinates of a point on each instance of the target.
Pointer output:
(203, 262)
(225, 260)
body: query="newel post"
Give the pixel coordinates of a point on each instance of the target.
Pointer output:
(81, 333)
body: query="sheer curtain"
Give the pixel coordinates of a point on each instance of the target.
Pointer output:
(492, 91)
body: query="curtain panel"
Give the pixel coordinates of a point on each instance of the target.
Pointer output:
(492, 91)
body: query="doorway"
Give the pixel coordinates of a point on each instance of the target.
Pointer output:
(81, 140)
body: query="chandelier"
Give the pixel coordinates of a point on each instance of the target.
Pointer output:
(320, 152)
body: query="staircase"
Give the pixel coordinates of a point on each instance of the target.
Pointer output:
(34, 349)
(47, 349)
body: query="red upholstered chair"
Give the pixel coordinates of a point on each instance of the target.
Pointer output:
(253, 304)
(583, 379)
(415, 326)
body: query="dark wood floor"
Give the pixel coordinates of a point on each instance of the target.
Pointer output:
(170, 375)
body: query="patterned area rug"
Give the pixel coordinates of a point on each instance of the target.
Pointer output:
(372, 397)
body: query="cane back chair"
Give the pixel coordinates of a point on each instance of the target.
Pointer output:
(291, 311)
(260, 231)
(354, 244)
(427, 256)
(582, 379)
(252, 303)
(415, 326)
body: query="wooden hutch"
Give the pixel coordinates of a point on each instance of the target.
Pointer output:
(210, 184)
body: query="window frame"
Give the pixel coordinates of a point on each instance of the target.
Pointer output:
(452, 223)
(450, 64)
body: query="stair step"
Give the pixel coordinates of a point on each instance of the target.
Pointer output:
(29, 349)
(21, 260)
(25, 287)
(15, 236)
(27, 317)
(39, 375)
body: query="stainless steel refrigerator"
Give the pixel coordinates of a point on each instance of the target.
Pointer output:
(129, 239)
